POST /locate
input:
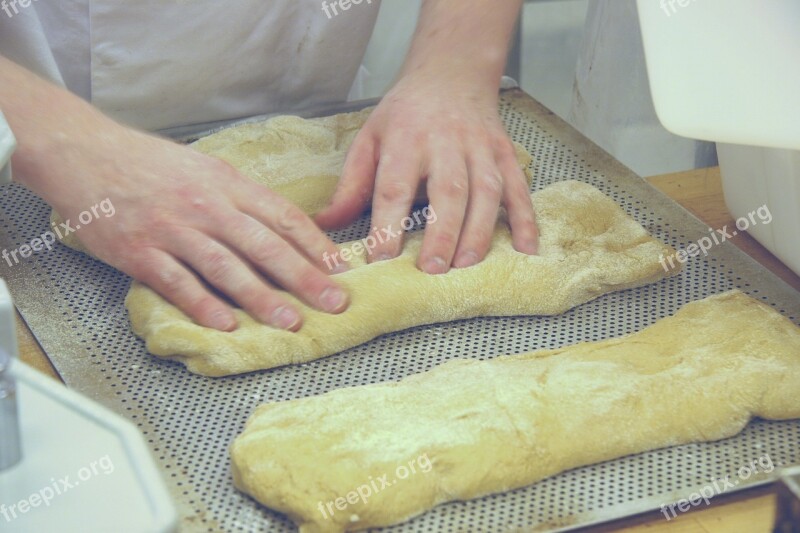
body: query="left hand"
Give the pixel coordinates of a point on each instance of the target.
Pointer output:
(450, 134)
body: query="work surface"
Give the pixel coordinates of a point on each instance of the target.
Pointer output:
(104, 353)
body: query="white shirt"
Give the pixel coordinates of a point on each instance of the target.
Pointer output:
(163, 63)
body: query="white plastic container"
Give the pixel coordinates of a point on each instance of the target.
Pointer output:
(83, 468)
(753, 176)
(729, 71)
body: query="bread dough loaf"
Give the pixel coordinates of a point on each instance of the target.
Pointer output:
(299, 158)
(588, 247)
(482, 427)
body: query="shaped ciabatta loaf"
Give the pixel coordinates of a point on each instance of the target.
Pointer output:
(588, 247)
(470, 428)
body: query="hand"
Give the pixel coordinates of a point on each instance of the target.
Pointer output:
(181, 218)
(450, 134)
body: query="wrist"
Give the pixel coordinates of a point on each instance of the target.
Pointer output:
(436, 82)
(54, 130)
(73, 144)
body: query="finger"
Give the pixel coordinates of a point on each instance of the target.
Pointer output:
(448, 190)
(395, 186)
(485, 194)
(279, 260)
(291, 224)
(222, 269)
(517, 200)
(172, 280)
(355, 187)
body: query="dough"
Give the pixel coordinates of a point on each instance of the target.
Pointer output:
(478, 427)
(301, 159)
(588, 247)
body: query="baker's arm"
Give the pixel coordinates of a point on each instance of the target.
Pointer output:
(179, 217)
(440, 122)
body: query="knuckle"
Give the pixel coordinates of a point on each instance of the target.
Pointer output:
(258, 297)
(199, 205)
(159, 223)
(203, 304)
(310, 282)
(264, 300)
(396, 191)
(170, 279)
(291, 218)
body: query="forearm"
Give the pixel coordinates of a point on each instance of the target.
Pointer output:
(467, 40)
(47, 121)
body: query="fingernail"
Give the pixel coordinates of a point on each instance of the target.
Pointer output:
(382, 257)
(532, 247)
(528, 246)
(467, 259)
(435, 265)
(223, 321)
(285, 318)
(333, 299)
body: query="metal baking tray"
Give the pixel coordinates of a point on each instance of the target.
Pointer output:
(74, 306)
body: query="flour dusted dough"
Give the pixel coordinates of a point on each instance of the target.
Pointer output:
(301, 159)
(492, 426)
(588, 247)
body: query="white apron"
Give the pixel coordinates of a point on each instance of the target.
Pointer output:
(163, 63)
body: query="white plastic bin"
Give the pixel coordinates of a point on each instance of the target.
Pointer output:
(753, 176)
(728, 71)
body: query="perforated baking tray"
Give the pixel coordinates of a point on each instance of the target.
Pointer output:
(74, 305)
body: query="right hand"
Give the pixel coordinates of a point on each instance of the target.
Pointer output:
(181, 218)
